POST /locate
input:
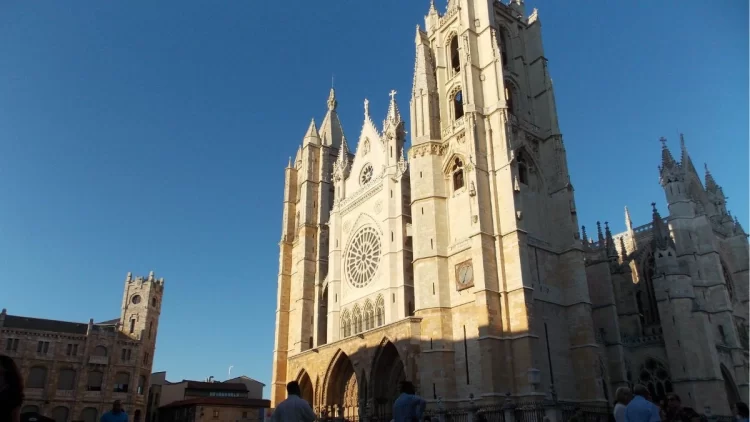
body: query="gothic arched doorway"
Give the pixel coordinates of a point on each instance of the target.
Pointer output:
(733, 394)
(388, 373)
(306, 387)
(342, 392)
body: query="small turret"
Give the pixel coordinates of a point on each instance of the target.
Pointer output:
(685, 162)
(665, 255)
(341, 171)
(584, 237)
(331, 132)
(425, 100)
(609, 242)
(672, 179)
(311, 136)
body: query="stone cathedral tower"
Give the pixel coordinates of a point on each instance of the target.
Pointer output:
(460, 269)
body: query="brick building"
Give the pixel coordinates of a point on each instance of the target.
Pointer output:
(237, 399)
(74, 371)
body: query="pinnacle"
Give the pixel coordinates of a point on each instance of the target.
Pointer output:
(710, 182)
(312, 131)
(394, 115)
(628, 220)
(332, 103)
(667, 160)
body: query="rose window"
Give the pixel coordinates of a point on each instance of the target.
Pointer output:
(366, 175)
(363, 257)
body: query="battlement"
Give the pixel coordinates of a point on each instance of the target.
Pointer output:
(140, 279)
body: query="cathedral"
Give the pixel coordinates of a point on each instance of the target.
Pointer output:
(456, 261)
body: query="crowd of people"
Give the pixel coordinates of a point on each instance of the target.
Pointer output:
(638, 406)
(631, 406)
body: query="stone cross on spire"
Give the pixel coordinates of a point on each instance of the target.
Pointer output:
(663, 141)
(393, 94)
(367, 107)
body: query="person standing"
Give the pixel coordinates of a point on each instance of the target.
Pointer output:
(408, 407)
(676, 413)
(741, 411)
(11, 390)
(640, 409)
(623, 395)
(294, 408)
(116, 414)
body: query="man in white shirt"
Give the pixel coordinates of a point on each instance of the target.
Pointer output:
(294, 408)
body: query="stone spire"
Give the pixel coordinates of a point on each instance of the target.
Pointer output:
(332, 103)
(394, 116)
(711, 185)
(341, 166)
(584, 236)
(610, 242)
(623, 249)
(738, 230)
(628, 220)
(661, 240)
(425, 100)
(331, 132)
(311, 136)
(599, 233)
(685, 162)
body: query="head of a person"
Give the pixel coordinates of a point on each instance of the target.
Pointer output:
(117, 406)
(641, 390)
(673, 401)
(10, 376)
(407, 388)
(293, 389)
(741, 409)
(623, 395)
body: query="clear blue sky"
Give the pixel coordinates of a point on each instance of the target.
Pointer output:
(142, 135)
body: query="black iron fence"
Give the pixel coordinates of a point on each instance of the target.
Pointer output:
(536, 411)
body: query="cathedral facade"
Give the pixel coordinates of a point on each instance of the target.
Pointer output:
(456, 262)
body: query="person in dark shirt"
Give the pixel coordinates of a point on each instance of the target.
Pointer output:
(676, 413)
(11, 390)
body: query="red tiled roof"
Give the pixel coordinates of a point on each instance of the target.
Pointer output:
(221, 401)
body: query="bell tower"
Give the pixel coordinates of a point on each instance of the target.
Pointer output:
(141, 308)
(497, 255)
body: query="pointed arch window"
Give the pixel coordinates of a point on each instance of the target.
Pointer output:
(357, 320)
(455, 58)
(728, 281)
(646, 298)
(457, 173)
(523, 169)
(458, 105)
(655, 376)
(509, 97)
(346, 325)
(379, 311)
(369, 316)
(504, 47)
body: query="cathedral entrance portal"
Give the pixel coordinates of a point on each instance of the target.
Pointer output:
(342, 392)
(387, 375)
(306, 387)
